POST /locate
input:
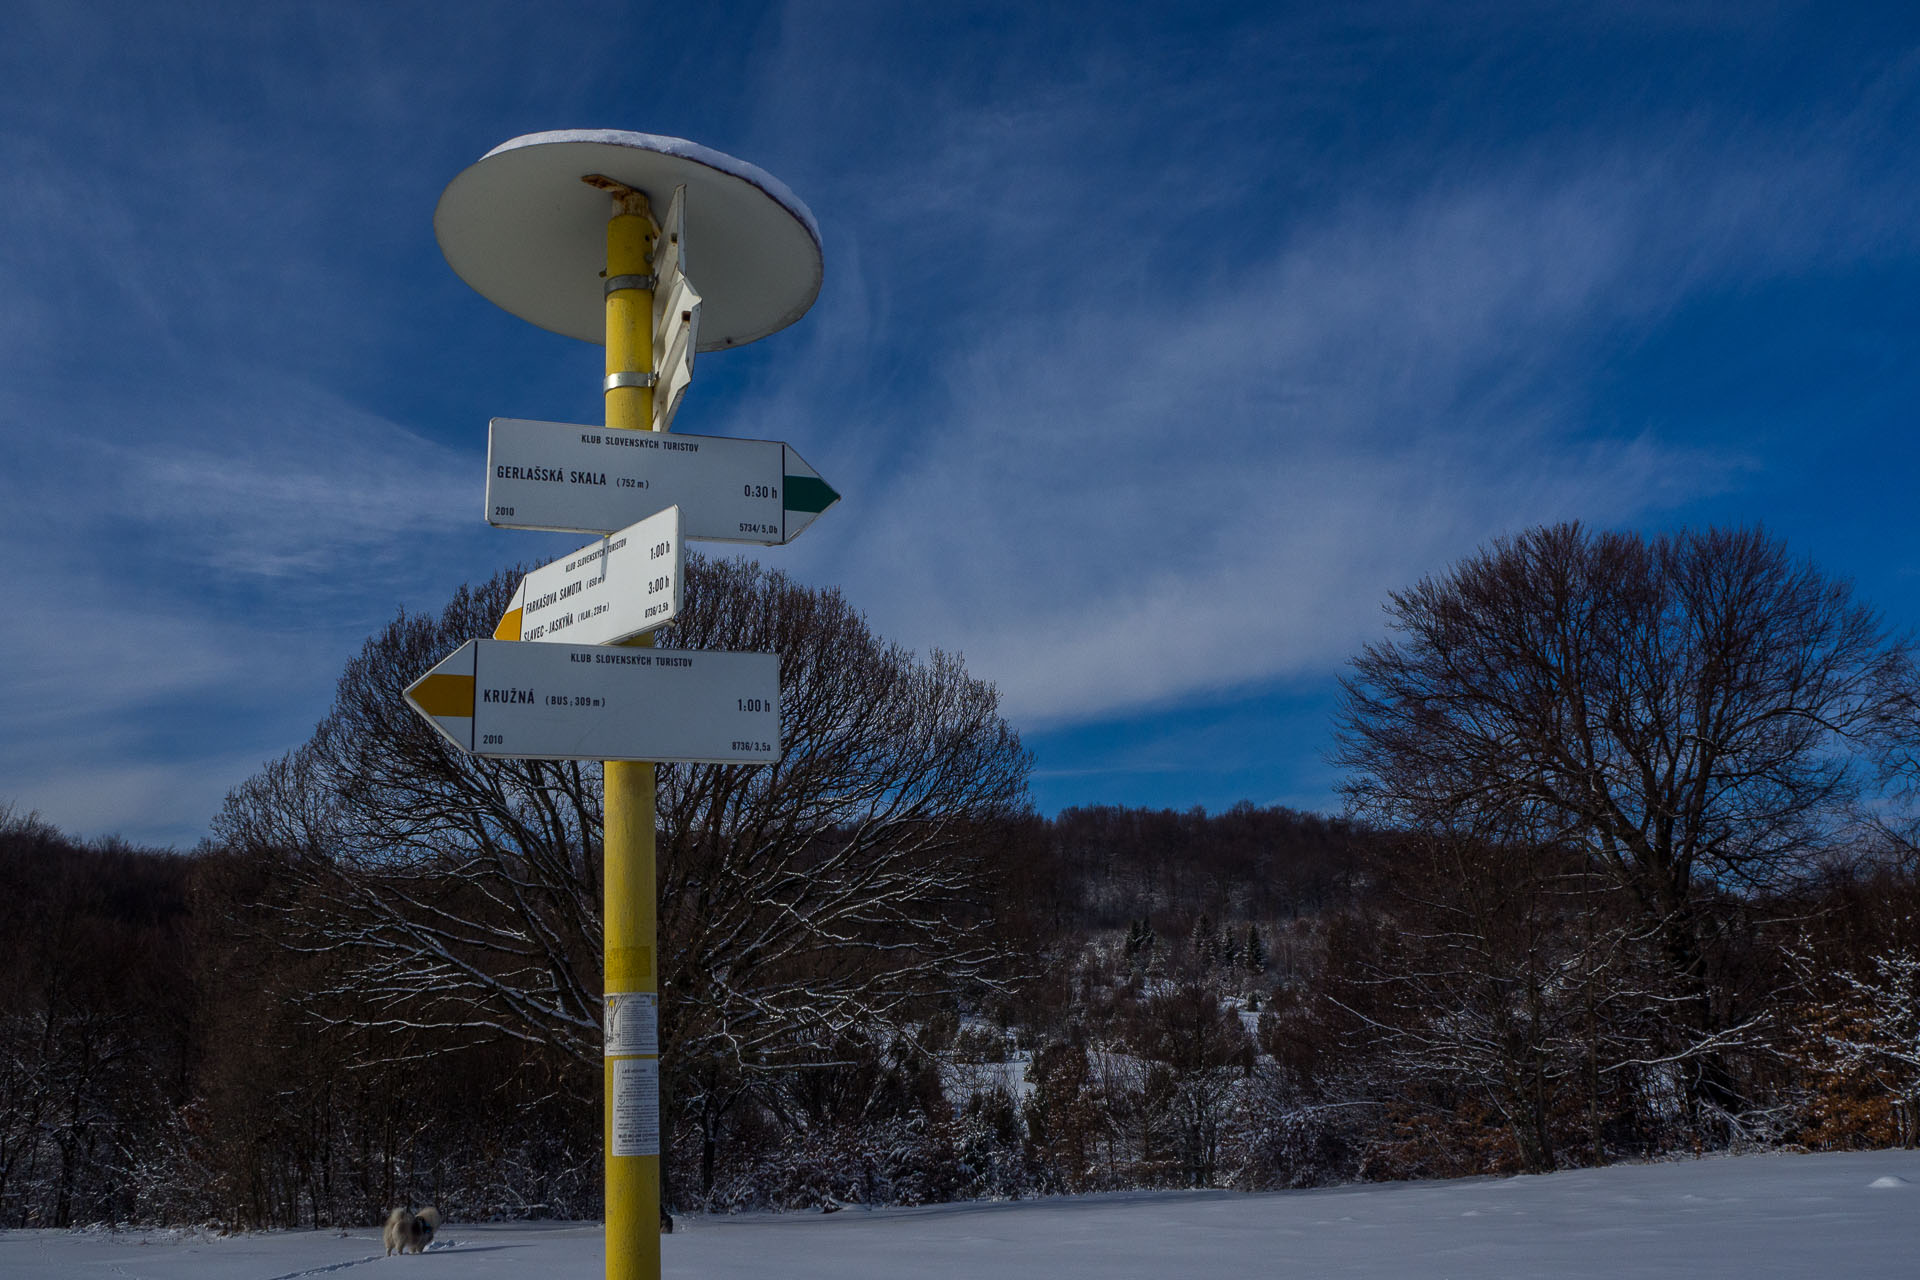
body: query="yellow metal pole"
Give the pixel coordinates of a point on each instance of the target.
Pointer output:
(632, 974)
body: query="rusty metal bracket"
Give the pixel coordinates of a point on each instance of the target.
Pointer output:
(629, 199)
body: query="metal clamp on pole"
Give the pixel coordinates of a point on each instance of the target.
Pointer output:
(631, 378)
(631, 282)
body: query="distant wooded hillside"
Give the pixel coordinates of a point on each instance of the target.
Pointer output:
(1255, 998)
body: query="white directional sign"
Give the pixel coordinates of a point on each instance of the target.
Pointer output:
(572, 702)
(624, 585)
(676, 314)
(551, 475)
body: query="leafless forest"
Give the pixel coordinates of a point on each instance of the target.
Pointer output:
(1625, 872)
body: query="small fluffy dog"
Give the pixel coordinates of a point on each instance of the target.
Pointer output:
(409, 1230)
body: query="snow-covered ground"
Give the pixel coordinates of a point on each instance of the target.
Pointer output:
(1825, 1216)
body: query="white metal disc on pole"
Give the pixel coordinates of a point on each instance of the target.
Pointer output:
(521, 227)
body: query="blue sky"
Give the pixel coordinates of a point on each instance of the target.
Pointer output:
(1157, 343)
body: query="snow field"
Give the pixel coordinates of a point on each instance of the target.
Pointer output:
(1834, 1217)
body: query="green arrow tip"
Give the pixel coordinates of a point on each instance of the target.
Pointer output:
(809, 493)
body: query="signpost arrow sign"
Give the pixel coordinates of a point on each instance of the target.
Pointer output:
(676, 314)
(622, 586)
(506, 700)
(552, 475)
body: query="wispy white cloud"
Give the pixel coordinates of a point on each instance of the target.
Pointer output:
(132, 709)
(196, 583)
(1151, 470)
(288, 480)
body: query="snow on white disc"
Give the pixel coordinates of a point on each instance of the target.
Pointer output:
(520, 227)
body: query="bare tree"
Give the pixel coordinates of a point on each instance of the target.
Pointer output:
(1492, 970)
(1689, 712)
(797, 901)
(464, 892)
(1467, 982)
(1199, 1057)
(95, 1008)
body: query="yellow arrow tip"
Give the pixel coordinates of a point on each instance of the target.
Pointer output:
(442, 696)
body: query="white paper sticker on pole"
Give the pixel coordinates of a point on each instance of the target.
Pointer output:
(633, 1023)
(636, 1106)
